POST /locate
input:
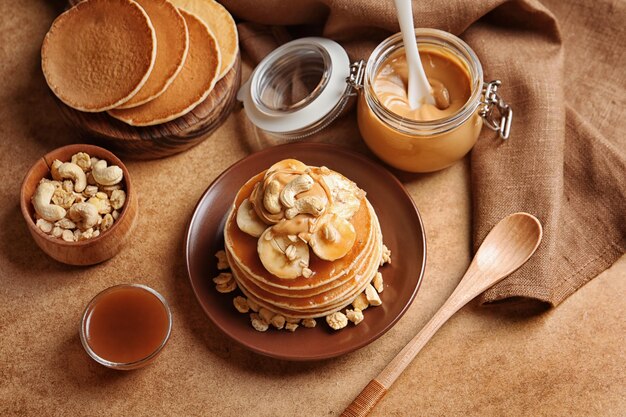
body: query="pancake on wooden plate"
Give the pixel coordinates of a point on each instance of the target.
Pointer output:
(172, 46)
(221, 24)
(99, 54)
(192, 85)
(301, 241)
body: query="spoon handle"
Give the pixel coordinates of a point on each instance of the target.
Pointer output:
(373, 392)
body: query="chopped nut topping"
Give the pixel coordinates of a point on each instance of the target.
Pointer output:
(386, 259)
(67, 236)
(63, 198)
(68, 186)
(258, 323)
(107, 222)
(360, 302)
(227, 287)
(355, 316)
(278, 321)
(310, 323)
(372, 296)
(290, 252)
(337, 320)
(82, 160)
(266, 314)
(223, 278)
(291, 327)
(44, 225)
(222, 261)
(241, 304)
(118, 198)
(66, 224)
(253, 305)
(377, 282)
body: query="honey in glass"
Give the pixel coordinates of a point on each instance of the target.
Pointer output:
(126, 326)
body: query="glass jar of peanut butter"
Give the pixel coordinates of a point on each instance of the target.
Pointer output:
(302, 86)
(428, 138)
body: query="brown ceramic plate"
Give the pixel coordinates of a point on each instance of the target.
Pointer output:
(403, 233)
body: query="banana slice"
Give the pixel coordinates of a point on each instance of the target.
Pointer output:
(248, 221)
(333, 238)
(345, 195)
(281, 256)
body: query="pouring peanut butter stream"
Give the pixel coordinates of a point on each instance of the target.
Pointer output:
(420, 90)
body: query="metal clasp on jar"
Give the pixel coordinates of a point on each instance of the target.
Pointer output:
(495, 111)
(355, 79)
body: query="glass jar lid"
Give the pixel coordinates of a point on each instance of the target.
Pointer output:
(298, 88)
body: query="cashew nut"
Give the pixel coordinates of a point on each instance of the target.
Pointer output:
(83, 160)
(107, 175)
(43, 207)
(301, 183)
(355, 316)
(307, 205)
(103, 206)
(107, 222)
(256, 199)
(337, 320)
(63, 198)
(271, 197)
(372, 296)
(75, 173)
(54, 169)
(85, 215)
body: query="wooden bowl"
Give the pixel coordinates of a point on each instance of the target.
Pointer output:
(89, 251)
(165, 139)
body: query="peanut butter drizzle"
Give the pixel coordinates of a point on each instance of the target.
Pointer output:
(449, 81)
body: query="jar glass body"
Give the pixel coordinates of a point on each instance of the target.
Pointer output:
(421, 146)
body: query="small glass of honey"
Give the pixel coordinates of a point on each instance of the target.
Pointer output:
(126, 326)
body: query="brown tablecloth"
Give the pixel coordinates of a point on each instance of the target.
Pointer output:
(488, 362)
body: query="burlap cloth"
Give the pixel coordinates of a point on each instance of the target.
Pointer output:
(565, 161)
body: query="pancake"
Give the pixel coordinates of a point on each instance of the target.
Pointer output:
(99, 54)
(221, 24)
(333, 283)
(172, 45)
(192, 85)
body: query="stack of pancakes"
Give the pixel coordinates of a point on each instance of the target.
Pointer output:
(330, 285)
(145, 62)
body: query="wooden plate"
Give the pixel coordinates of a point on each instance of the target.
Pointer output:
(164, 139)
(403, 233)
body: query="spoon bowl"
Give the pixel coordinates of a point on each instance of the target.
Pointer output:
(508, 245)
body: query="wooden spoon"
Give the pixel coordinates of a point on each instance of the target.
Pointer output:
(507, 247)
